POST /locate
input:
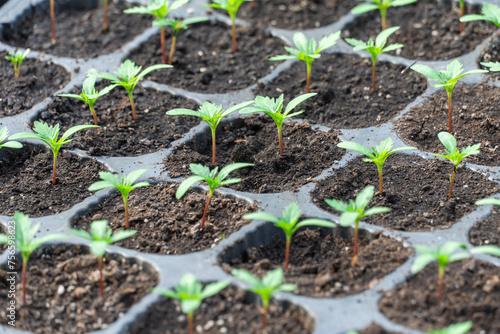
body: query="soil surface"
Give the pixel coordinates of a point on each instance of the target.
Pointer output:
(471, 292)
(232, 311)
(430, 30)
(486, 231)
(3, 247)
(320, 266)
(69, 301)
(475, 120)
(27, 181)
(204, 61)
(421, 207)
(38, 81)
(79, 32)
(254, 139)
(376, 329)
(344, 86)
(166, 225)
(119, 134)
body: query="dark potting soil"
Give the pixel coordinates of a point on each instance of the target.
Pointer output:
(38, 81)
(3, 247)
(204, 61)
(344, 86)
(119, 134)
(430, 30)
(475, 120)
(415, 189)
(79, 32)
(232, 311)
(491, 53)
(471, 292)
(307, 153)
(376, 329)
(320, 266)
(486, 231)
(166, 225)
(294, 14)
(27, 181)
(63, 290)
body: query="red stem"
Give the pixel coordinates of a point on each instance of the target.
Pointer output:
(25, 264)
(462, 12)
(451, 183)
(213, 147)
(54, 170)
(105, 23)
(380, 182)
(449, 113)
(373, 77)
(101, 282)
(354, 259)
(190, 323)
(163, 50)
(53, 21)
(234, 36)
(280, 138)
(287, 253)
(95, 116)
(134, 115)
(172, 50)
(264, 318)
(206, 210)
(441, 283)
(127, 222)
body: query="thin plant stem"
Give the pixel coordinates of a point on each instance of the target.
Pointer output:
(163, 50)
(374, 64)
(25, 264)
(54, 169)
(441, 282)
(95, 116)
(287, 252)
(234, 34)
(383, 14)
(101, 282)
(253, 4)
(308, 83)
(380, 181)
(172, 50)
(206, 209)
(134, 115)
(105, 21)
(264, 318)
(355, 257)
(462, 12)
(190, 323)
(53, 21)
(125, 203)
(449, 113)
(451, 182)
(280, 139)
(213, 146)
(17, 70)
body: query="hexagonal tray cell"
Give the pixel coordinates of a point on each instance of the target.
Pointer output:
(166, 225)
(78, 29)
(232, 311)
(475, 120)
(119, 134)
(63, 289)
(487, 230)
(471, 292)
(344, 86)
(38, 80)
(320, 259)
(416, 190)
(26, 184)
(204, 61)
(307, 153)
(430, 30)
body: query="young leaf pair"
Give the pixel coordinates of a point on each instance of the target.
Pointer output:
(17, 59)
(382, 6)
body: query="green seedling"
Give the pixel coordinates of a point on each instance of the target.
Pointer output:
(214, 180)
(211, 114)
(375, 48)
(4, 133)
(307, 51)
(488, 201)
(158, 9)
(128, 76)
(446, 254)
(489, 13)
(289, 223)
(53, 21)
(382, 6)
(177, 26)
(265, 288)
(89, 94)
(125, 185)
(447, 79)
(494, 67)
(454, 155)
(460, 328)
(274, 107)
(24, 241)
(17, 59)
(190, 293)
(354, 211)
(49, 135)
(105, 20)
(378, 155)
(100, 237)
(231, 6)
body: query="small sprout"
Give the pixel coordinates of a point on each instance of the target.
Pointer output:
(382, 6)
(211, 114)
(488, 201)
(177, 26)
(308, 50)
(128, 76)
(25, 242)
(100, 237)
(494, 67)
(446, 254)
(489, 13)
(190, 293)
(460, 328)
(273, 108)
(214, 180)
(288, 222)
(446, 79)
(105, 20)
(17, 59)
(265, 288)
(89, 94)
(453, 154)
(49, 135)
(378, 155)
(158, 9)
(375, 48)
(4, 133)
(125, 185)
(231, 6)
(354, 211)
(53, 21)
